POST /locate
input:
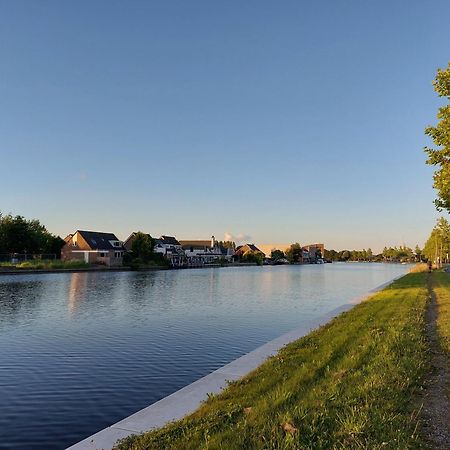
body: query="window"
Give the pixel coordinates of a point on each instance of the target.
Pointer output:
(118, 254)
(102, 254)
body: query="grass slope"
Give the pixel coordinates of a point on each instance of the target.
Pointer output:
(350, 384)
(45, 264)
(441, 286)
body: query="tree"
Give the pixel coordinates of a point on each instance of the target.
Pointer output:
(227, 244)
(18, 235)
(294, 253)
(418, 253)
(142, 247)
(253, 257)
(331, 255)
(440, 134)
(437, 247)
(277, 254)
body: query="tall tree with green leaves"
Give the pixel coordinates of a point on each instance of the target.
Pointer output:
(142, 247)
(437, 247)
(294, 253)
(440, 134)
(277, 254)
(19, 235)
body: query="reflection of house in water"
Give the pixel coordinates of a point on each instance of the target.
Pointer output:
(77, 290)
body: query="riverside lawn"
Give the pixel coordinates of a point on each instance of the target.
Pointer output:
(441, 286)
(353, 383)
(45, 264)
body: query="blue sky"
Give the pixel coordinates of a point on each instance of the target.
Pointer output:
(284, 121)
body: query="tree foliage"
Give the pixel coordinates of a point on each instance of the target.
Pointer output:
(277, 254)
(253, 257)
(142, 247)
(391, 254)
(227, 244)
(294, 253)
(19, 235)
(440, 134)
(437, 247)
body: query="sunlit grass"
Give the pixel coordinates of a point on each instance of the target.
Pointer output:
(441, 286)
(350, 384)
(44, 264)
(419, 267)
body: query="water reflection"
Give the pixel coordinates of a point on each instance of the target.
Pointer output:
(77, 291)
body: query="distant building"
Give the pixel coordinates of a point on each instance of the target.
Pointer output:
(313, 252)
(93, 247)
(200, 252)
(171, 249)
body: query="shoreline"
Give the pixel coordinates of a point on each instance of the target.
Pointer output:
(15, 271)
(187, 399)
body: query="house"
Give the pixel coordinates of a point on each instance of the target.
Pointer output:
(171, 249)
(199, 252)
(227, 253)
(93, 247)
(247, 249)
(312, 253)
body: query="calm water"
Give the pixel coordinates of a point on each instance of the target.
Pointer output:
(81, 351)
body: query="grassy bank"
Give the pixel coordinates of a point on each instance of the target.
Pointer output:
(44, 264)
(350, 384)
(441, 286)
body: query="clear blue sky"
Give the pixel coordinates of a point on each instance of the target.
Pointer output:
(285, 121)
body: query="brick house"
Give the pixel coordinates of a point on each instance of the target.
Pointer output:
(93, 247)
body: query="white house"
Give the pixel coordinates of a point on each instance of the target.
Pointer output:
(199, 252)
(171, 249)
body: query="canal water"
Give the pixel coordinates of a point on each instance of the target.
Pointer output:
(81, 351)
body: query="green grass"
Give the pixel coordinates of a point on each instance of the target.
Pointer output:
(44, 264)
(351, 384)
(441, 286)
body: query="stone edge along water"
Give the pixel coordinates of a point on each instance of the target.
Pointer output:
(186, 400)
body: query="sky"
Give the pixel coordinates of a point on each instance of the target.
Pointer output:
(272, 122)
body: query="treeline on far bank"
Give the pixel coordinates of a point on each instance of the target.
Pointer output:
(436, 250)
(389, 254)
(19, 235)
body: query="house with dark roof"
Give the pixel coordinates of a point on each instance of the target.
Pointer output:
(93, 247)
(171, 249)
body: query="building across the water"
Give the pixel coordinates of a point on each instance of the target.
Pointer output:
(93, 247)
(313, 253)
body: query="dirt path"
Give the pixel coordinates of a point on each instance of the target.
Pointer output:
(436, 405)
